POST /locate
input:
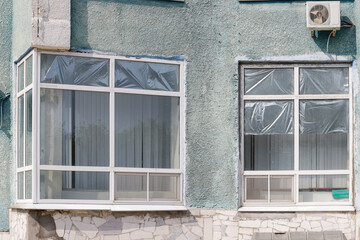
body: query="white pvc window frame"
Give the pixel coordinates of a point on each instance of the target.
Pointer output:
(111, 169)
(296, 97)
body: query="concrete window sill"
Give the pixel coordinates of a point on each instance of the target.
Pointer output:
(298, 209)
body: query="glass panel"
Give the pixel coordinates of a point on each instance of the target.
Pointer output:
(267, 117)
(28, 185)
(29, 65)
(269, 81)
(21, 77)
(20, 127)
(147, 131)
(131, 187)
(74, 128)
(20, 185)
(28, 125)
(164, 187)
(74, 70)
(324, 135)
(256, 188)
(144, 75)
(74, 185)
(324, 80)
(281, 188)
(324, 188)
(269, 152)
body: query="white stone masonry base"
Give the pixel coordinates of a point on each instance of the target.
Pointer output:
(193, 224)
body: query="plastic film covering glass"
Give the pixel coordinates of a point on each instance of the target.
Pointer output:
(21, 72)
(323, 188)
(324, 80)
(269, 81)
(20, 133)
(28, 185)
(29, 65)
(281, 188)
(268, 117)
(144, 75)
(131, 187)
(256, 188)
(20, 185)
(74, 70)
(323, 117)
(164, 187)
(74, 185)
(147, 131)
(28, 126)
(74, 128)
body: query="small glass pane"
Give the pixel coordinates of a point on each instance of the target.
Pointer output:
(269, 81)
(29, 65)
(28, 125)
(131, 187)
(164, 187)
(324, 80)
(20, 127)
(145, 75)
(28, 185)
(74, 185)
(21, 77)
(20, 185)
(281, 188)
(324, 188)
(74, 128)
(256, 188)
(147, 131)
(74, 70)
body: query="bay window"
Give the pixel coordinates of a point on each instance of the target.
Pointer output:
(296, 134)
(107, 129)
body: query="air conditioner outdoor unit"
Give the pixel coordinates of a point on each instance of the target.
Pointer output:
(323, 15)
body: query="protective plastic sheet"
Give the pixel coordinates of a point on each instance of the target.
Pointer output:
(267, 117)
(324, 80)
(269, 81)
(74, 70)
(325, 116)
(143, 75)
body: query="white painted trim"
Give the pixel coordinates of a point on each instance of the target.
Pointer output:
(298, 209)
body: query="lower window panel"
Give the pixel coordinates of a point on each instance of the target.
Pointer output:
(74, 185)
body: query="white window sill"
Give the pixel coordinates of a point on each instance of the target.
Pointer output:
(298, 209)
(114, 208)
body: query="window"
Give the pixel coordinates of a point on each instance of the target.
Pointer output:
(297, 134)
(108, 129)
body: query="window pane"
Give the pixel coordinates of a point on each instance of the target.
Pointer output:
(20, 127)
(257, 188)
(281, 188)
(74, 185)
(20, 185)
(29, 63)
(74, 128)
(266, 117)
(74, 70)
(131, 187)
(147, 131)
(21, 77)
(269, 81)
(324, 80)
(269, 152)
(144, 75)
(28, 125)
(323, 188)
(164, 187)
(28, 185)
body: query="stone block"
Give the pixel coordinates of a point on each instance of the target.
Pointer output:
(129, 227)
(315, 236)
(232, 231)
(140, 235)
(262, 236)
(87, 229)
(149, 226)
(250, 223)
(297, 235)
(98, 221)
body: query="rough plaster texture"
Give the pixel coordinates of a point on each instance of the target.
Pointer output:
(191, 225)
(210, 34)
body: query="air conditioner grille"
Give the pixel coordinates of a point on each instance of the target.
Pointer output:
(319, 14)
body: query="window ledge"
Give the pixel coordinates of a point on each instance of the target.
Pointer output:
(114, 208)
(298, 209)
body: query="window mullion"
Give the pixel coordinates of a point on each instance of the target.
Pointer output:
(296, 133)
(112, 130)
